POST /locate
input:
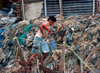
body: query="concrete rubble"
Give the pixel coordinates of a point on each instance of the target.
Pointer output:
(80, 32)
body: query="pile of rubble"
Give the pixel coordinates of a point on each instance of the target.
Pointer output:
(80, 32)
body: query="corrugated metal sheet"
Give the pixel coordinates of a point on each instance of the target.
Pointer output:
(69, 6)
(29, 1)
(78, 7)
(53, 8)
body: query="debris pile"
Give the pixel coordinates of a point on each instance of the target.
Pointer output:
(80, 32)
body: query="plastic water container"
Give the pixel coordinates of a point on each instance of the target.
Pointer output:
(53, 45)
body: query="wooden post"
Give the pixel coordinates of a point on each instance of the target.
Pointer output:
(97, 6)
(93, 7)
(23, 9)
(62, 63)
(81, 66)
(45, 6)
(61, 9)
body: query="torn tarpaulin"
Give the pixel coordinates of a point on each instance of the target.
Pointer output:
(21, 38)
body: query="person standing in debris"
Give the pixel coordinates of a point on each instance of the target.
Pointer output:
(41, 34)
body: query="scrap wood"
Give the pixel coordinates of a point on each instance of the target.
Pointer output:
(39, 55)
(23, 62)
(11, 34)
(15, 69)
(79, 57)
(16, 56)
(62, 65)
(46, 70)
(98, 49)
(83, 38)
(90, 54)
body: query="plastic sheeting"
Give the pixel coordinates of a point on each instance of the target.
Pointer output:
(25, 32)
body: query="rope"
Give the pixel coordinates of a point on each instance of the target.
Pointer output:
(59, 45)
(38, 65)
(64, 57)
(78, 56)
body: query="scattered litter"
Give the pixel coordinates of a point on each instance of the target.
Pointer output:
(80, 32)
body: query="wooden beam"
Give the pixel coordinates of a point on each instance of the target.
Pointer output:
(61, 8)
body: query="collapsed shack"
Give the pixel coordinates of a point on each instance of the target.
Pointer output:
(80, 32)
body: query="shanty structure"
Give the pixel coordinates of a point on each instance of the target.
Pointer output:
(64, 7)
